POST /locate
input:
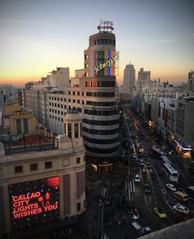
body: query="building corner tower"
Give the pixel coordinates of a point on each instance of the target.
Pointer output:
(101, 118)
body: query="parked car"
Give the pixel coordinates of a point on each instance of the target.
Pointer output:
(171, 187)
(137, 178)
(147, 188)
(160, 213)
(182, 209)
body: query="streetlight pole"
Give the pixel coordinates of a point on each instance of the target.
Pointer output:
(164, 138)
(102, 226)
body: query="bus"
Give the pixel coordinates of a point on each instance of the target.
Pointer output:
(171, 172)
(165, 159)
(157, 150)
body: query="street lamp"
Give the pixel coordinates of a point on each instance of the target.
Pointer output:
(102, 204)
(102, 220)
(164, 138)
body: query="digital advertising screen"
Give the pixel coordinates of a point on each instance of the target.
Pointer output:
(107, 63)
(34, 202)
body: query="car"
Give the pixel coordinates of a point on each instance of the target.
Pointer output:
(160, 213)
(141, 162)
(148, 165)
(147, 188)
(141, 229)
(182, 209)
(171, 187)
(181, 196)
(138, 227)
(137, 178)
(177, 217)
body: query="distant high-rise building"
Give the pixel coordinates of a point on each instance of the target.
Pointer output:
(129, 79)
(143, 79)
(191, 81)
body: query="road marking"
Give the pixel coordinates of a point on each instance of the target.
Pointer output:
(98, 182)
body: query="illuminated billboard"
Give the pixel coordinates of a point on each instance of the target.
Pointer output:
(34, 202)
(106, 63)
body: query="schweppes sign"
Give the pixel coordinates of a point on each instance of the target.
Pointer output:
(108, 66)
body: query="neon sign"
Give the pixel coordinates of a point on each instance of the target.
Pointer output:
(106, 62)
(34, 202)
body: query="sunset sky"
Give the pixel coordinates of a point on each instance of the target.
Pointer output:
(38, 36)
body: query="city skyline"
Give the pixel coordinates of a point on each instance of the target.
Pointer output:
(37, 38)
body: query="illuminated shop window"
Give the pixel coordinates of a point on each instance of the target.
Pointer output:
(18, 169)
(33, 167)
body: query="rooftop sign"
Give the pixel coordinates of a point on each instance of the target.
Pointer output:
(105, 26)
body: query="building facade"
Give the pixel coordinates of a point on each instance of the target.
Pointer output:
(46, 186)
(100, 118)
(129, 80)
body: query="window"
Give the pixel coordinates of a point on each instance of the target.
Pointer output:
(48, 164)
(81, 129)
(78, 206)
(18, 169)
(69, 130)
(76, 130)
(18, 126)
(78, 160)
(25, 126)
(33, 167)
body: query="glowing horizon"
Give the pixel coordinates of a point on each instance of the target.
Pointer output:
(154, 35)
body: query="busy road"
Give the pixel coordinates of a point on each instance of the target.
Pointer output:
(138, 196)
(151, 191)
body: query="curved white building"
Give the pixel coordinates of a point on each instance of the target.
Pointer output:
(100, 116)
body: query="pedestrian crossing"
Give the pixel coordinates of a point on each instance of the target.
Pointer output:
(98, 182)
